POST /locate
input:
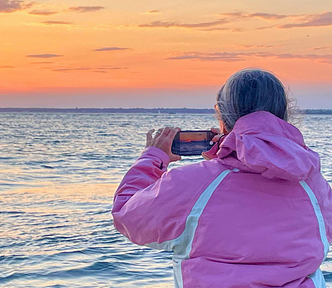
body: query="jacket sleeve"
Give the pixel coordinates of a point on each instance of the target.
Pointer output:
(150, 206)
(147, 169)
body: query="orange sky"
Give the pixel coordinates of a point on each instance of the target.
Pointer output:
(165, 54)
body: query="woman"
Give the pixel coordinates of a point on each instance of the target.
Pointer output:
(257, 214)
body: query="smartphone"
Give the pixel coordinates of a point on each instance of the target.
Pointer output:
(188, 143)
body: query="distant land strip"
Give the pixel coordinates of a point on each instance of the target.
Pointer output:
(137, 110)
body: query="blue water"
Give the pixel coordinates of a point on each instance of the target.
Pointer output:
(58, 175)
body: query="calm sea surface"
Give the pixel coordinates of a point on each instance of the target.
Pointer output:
(58, 175)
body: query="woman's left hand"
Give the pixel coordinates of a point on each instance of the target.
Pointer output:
(212, 153)
(163, 140)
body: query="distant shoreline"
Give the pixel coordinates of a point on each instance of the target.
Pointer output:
(137, 110)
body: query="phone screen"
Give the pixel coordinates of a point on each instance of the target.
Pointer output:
(187, 143)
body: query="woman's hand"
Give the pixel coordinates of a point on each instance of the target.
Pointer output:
(212, 153)
(218, 132)
(163, 140)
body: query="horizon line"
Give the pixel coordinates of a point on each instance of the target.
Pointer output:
(137, 109)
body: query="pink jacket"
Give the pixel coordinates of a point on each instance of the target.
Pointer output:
(259, 214)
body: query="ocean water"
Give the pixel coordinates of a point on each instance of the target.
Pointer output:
(58, 175)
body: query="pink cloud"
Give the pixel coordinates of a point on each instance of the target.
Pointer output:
(268, 16)
(43, 55)
(10, 6)
(315, 20)
(111, 49)
(42, 12)
(309, 20)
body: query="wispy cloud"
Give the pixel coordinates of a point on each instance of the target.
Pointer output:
(71, 69)
(57, 23)
(234, 57)
(315, 20)
(42, 62)
(309, 20)
(42, 12)
(321, 48)
(106, 70)
(8, 6)
(218, 29)
(163, 24)
(327, 62)
(110, 68)
(265, 27)
(152, 12)
(44, 55)
(219, 56)
(111, 49)
(222, 29)
(227, 18)
(85, 9)
(6, 67)
(91, 69)
(264, 16)
(268, 16)
(257, 46)
(325, 57)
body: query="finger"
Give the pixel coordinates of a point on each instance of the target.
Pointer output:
(205, 156)
(149, 134)
(216, 130)
(150, 131)
(166, 131)
(158, 133)
(149, 137)
(173, 132)
(174, 158)
(216, 138)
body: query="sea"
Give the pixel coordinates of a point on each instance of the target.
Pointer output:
(58, 174)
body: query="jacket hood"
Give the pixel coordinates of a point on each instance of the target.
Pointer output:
(262, 143)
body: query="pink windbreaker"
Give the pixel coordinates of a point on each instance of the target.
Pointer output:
(259, 214)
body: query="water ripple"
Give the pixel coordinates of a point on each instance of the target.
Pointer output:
(58, 175)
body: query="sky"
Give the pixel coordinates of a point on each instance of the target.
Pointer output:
(132, 53)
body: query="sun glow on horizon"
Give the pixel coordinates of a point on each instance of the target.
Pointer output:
(61, 48)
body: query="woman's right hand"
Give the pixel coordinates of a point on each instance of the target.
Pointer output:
(163, 140)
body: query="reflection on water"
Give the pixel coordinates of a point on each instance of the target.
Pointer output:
(63, 236)
(58, 175)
